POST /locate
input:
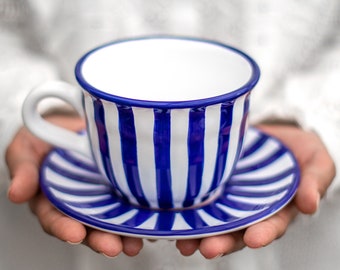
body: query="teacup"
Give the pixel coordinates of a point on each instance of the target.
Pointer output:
(166, 116)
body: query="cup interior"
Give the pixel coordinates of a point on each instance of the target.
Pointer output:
(165, 69)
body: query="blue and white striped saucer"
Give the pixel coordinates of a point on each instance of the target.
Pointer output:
(265, 180)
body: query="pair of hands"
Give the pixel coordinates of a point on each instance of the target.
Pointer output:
(26, 152)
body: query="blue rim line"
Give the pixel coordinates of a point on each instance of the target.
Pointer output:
(248, 86)
(180, 234)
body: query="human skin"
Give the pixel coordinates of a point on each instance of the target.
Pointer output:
(26, 152)
(317, 172)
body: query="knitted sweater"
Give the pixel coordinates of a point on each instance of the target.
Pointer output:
(296, 44)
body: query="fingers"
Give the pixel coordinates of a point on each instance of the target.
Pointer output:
(263, 233)
(66, 229)
(23, 158)
(24, 182)
(317, 172)
(218, 246)
(308, 195)
(316, 165)
(316, 176)
(255, 236)
(188, 247)
(110, 245)
(132, 246)
(55, 223)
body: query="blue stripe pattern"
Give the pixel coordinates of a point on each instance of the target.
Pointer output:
(161, 139)
(195, 154)
(253, 193)
(129, 152)
(163, 180)
(223, 142)
(99, 116)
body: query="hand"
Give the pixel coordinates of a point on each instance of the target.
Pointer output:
(24, 156)
(317, 173)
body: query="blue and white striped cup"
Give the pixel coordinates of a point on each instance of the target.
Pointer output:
(166, 116)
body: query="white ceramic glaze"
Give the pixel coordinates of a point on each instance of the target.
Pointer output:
(264, 181)
(166, 116)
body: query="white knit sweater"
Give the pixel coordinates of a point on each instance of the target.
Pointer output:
(296, 44)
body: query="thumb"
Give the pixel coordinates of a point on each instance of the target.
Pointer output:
(316, 176)
(25, 183)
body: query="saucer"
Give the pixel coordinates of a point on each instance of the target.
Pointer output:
(265, 180)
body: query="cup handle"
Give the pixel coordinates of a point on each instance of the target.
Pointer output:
(55, 135)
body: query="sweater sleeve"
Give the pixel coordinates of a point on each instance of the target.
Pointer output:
(314, 96)
(300, 70)
(21, 68)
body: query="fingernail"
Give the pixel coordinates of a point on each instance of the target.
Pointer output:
(152, 240)
(11, 195)
(217, 256)
(9, 190)
(107, 256)
(75, 243)
(318, 202)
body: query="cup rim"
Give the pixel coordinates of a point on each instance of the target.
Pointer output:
(232, 95)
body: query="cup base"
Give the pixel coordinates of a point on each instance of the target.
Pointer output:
(264, 182)
(214, 195)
